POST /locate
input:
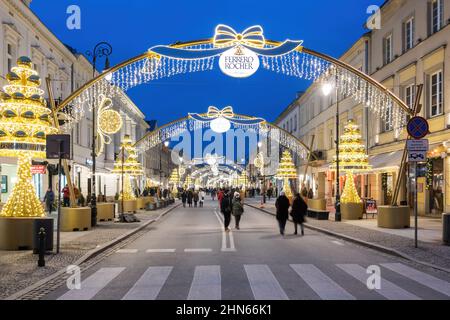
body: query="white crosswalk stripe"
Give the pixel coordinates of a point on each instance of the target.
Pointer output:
(149, 285)
(161, 250)
(325, 288)
(420, 277)
(206, 284)
(388, 289)
(92, 285)
(264, 284)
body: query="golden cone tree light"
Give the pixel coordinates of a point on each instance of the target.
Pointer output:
(287, 170)
(131, 167)
(24, 125)
(352, 158)
(174, 177)
(243, 180)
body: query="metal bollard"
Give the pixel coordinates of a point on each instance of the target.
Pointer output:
(41, 261)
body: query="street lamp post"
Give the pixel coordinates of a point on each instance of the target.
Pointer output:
(327, 88)
(102, 49)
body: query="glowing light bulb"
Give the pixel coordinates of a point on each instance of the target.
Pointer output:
(220, 125)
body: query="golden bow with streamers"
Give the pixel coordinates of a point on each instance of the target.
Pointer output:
(226, 36)
(215, 113)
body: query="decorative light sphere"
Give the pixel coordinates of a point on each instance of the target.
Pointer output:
(220, 125)
(110, 121)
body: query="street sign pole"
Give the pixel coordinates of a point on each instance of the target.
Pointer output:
(416, 220)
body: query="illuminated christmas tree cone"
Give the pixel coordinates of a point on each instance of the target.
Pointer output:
(352, 158)
(130, 168)
(287, 170)
(24, 125)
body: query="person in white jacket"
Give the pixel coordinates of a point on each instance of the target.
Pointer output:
(202, 196)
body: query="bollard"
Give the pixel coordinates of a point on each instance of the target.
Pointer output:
(41, 261)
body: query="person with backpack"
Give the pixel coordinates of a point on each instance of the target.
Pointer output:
(238, 209)
(298, 213)
(226, 207)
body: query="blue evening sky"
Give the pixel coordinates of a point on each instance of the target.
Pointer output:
(133, 26)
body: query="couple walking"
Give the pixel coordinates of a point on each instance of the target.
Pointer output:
(298, 212)
(231, 206)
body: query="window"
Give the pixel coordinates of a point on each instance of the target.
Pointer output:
(387, 49)
(295, 123)
(10, 57)
(436, 94)
(387, 121)
(436, 15)
(409, 34)
(292, 127)
(410, 96)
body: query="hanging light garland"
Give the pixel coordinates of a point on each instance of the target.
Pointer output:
(24, 125)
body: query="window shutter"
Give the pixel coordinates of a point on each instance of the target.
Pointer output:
(427, 107)
(429, 18)
(404, 36)
(384, 52)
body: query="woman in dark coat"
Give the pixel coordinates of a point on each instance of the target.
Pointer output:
(282, 204)
(298, 212)
(190, 196)
(184, 198)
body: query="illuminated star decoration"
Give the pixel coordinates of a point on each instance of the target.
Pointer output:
(220, 120)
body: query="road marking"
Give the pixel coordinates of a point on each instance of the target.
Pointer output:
(420, 277)
(149, 285)
(127, 251)
(264, 284)
(338, 243)
(325, 288)
(198, 250)
(388, 289)
(206, 284)
(225, 248)
(92, 285)
(161, 250)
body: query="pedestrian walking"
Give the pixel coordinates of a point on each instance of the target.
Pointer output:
(282, 204)
(213, 194)
(310, 193)
(196, 199)
(49, 199)
(66, 196)
(298, 213)
(184, 198)
(226, 207)
(220, 196)
(190, 197)
(202, 197)
(238, 209)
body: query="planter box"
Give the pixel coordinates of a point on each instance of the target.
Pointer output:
(317, 204)
(105, 211)
(18, 233)
(394, 217)
(128, 206)
(352, 211)
(75, 219)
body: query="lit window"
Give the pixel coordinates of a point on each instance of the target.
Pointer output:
(410, 96)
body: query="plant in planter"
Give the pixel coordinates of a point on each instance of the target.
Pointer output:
(352, 158)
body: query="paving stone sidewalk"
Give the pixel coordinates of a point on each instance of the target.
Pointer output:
(18, 269)
(427, 252)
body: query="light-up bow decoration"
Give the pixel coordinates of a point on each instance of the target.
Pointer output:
(226, 36)
(220, 120)
(109, 122)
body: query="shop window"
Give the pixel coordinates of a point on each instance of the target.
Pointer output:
(434, 177)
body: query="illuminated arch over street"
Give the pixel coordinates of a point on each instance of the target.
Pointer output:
(235, 54)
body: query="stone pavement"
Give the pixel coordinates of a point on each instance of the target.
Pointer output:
(18, 269)
(430, 249)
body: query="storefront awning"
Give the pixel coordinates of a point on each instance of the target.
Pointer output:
(386, 161)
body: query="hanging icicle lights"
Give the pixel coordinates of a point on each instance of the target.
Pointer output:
(289, 58)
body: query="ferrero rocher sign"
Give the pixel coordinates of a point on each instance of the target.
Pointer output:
(239, 62)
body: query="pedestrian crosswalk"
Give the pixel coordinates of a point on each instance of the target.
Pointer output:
(207, 282)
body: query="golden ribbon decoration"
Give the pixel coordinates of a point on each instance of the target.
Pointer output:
(226, 36)
(215, 113)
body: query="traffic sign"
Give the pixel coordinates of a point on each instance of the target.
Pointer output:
(417, 145)
(417, 150)
(418, 127)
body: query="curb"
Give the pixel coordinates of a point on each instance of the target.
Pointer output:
(377, 247)
(89, 255)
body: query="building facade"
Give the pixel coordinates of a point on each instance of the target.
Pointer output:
(23, 34)
(409, 49)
